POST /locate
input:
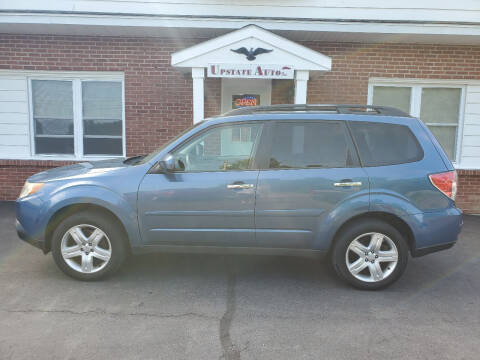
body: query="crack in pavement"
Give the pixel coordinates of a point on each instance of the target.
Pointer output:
(230, 350)
(102, 312)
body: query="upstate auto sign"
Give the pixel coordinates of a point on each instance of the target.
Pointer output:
(255, 71)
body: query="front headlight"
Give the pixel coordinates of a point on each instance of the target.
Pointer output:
(30, 189)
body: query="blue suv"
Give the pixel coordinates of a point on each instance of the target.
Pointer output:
(366, 185)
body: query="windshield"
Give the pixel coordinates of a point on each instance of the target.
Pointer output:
(150, 156)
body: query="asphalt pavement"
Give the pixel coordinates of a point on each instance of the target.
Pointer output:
(237, 307)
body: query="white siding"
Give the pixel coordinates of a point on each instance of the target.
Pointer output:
(470, 156)
(377, 21)
(14, 123)
(419, 10)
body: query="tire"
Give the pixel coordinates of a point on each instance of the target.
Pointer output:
(368, 247)
(92, 254)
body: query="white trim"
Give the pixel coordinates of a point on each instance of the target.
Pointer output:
(301, 79)
(370, 93)
(427, 10)
(461, 167)
(76, 78)
(432, 82)
(124, 131)
(415, 100)
(424, 30)
(115, 75)
(461, 120)
(30, 117)
(300, 55)
(416, 86)
(77, 118)
(198, 75)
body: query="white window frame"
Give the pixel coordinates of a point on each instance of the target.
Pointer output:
(416, 86)
(77, 78)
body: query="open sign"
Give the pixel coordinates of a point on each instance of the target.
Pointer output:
(245, 100)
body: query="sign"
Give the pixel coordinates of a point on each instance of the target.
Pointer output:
(245, 100)
(252, 71)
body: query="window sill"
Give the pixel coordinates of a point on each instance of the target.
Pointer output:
(62, 158)
(465, 167)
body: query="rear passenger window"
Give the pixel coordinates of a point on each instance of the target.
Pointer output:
(385, 144)
(310, 145)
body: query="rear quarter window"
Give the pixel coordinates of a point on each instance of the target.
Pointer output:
(382, 144)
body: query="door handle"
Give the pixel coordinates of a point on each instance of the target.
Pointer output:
(240, 186)
(348, 183)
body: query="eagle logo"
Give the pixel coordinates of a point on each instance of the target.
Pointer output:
(251, 54)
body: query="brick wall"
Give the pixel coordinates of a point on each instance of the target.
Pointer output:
(468, 194)
(354, 64)
(158, 98)
(283, 91)
(213, 96)
(14, 172)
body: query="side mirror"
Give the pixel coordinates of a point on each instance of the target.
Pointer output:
(167, 163)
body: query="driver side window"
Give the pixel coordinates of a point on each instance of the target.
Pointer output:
(216, 149)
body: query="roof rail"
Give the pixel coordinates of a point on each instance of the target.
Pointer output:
(339, 109)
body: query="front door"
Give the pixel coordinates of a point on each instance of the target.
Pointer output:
(245, 92)
(209, 199)
(309, 167)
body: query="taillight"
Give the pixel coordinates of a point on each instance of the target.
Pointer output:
(446, 182)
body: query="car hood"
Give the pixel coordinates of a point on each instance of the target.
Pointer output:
(80, 170)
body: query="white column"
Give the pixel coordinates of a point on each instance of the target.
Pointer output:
(198, 74)
(301, 78)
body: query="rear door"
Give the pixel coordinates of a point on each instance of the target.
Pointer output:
(310, 168)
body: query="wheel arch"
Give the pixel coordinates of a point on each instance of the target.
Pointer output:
(70, 209)
(394, 220)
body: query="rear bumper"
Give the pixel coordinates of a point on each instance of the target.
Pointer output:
(435, 231)
(431, 249)
(32, 240)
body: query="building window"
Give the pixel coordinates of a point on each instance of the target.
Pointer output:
(241, 134)
(77, 118)
(439, 106)
(396, 96)
(102, 117)
(440, 109)
(53, 117)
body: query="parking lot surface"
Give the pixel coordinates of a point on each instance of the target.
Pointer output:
(237, 307)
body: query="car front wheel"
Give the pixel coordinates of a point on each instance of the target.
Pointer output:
(88, 245)
(370, 254)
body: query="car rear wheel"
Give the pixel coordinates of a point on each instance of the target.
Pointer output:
(88, 245)
(370, 254)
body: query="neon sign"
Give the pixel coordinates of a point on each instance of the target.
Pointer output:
(245, 100)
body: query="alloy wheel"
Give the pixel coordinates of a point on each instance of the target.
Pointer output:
(371, 257)
(86, 248)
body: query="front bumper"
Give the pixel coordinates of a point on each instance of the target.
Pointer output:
(32, 240)
(30, 221)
